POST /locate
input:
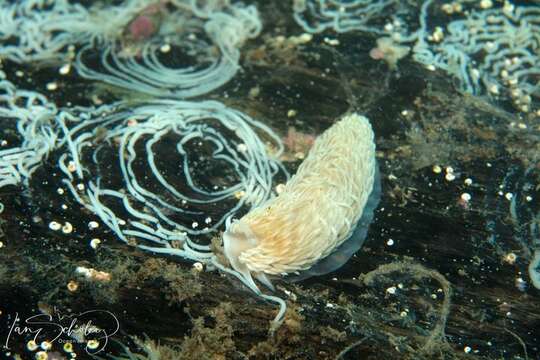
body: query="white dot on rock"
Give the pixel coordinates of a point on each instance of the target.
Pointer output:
(52, 86)
(94, 243)
(53, 225)
(67, 228)
(391, 290)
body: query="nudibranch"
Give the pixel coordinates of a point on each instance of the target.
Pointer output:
(320, 218)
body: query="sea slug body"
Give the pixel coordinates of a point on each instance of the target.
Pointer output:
(334, 189)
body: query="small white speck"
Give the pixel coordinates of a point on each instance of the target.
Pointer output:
(450, 176)
(465, 196)
(93, 225)
(467, 349)
(208, 220)
(486, 4)
(528, 198)
(83, 271)
(391, 290)
(71, 166)
(468, 181)
(64, 206)
(55, 226)
(94, 243)
(437, 169)
(64, 70)
(291, 113)
(80, 187)
(96, 100)
(508, 196)
(132, 122)
(494, 89)
(195, 224)
(305, 37)
(242, 148)
(165, 48)
(67, 228)
(60, 191)
(332, 42)
(390, 242)
(198, 267)
(52, 86)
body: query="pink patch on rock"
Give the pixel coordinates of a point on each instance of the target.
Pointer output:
(141, 28)
(376, 54)
(297, 141)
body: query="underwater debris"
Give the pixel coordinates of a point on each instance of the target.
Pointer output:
(93, 274)
(297, 144)
(389, 51)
